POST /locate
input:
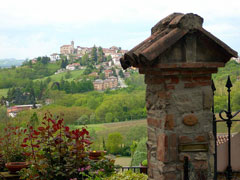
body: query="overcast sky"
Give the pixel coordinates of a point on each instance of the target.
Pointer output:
(31, 28)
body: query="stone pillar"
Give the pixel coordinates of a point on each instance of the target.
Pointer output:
(178, 60)
(179, 121)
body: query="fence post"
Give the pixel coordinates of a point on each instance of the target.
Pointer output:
(214, 132)
(185, 166)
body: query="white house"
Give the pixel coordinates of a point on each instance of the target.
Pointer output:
(54, 57)
(73, 66)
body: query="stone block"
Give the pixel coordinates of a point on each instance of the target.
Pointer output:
(203, 165)
(201, 156)
(170, 176)
(200, 138)
(185, 139)
(207, 98)
(169, 122)
(190, 120)
(154, 122)
(162, 145)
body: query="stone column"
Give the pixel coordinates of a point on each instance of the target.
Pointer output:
(179, 118)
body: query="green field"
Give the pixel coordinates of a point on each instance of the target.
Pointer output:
(3, 92)
(123, 161)
(76, 74)
(104, 129)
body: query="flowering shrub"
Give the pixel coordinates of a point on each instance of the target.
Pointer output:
(58, 153)
(10, 143)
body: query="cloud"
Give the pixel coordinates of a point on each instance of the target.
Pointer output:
(33, 27)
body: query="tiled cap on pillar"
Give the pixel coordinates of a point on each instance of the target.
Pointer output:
(195, 45)
(178, 60)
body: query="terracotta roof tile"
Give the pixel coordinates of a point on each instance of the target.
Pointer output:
(165, 34)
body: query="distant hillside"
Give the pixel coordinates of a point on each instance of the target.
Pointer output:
(6, 63)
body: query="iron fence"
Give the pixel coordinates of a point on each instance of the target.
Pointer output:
(228, 119)
(226, 116)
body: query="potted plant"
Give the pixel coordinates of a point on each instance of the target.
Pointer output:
(16, 161)
(12, 152)
(143, 168)
(96, 155)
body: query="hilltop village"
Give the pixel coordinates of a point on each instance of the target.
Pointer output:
(80, 69)
(103, 64)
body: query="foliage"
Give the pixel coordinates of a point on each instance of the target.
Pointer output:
(120, 73)
(114, 143)
(136, 81)
(18, 77)
(75, 87)
(135, 133)
(94, 56)
(144, 162)
(57, 152)
(10, 143)
(34, 120)
(127, 175)
(141, 152)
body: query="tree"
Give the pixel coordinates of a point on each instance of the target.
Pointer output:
(109, 117)
(34, 119)
(94, 56)
(64, 63)
(101, 57)
(135, 133)
(120, 73)
(83, 120)
(68, 75)
(85, 59)
(3, 115)
(109, 58)
(140, 153)
(114, 142)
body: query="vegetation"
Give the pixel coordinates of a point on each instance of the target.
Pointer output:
(128, 175)
(231, 69)
(54, 151)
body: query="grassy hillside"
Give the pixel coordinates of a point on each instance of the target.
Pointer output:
(106, 128)
(3, 92)
(57, 77)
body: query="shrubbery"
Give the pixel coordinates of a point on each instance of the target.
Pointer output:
(127, 175)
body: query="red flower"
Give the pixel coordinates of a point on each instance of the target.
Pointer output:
(66, 128)
(25, 140)
(35, 145)
(35, 132)
(41, 128)
(24, 145)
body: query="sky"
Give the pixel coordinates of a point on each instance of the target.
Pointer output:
(32, 28)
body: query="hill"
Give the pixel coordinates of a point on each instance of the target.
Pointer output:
(7, 63)
(74, 75)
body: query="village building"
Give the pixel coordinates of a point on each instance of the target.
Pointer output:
(116, 61)
(93, 74)
(98, 85)
(67, 49)
(34, 61)
(73, 66)
(108, 73)
(14, 110)
(109, 83)
(81, 51)
(54, 57)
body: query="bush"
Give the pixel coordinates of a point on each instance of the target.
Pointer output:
(128, 175)
(140, 153)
